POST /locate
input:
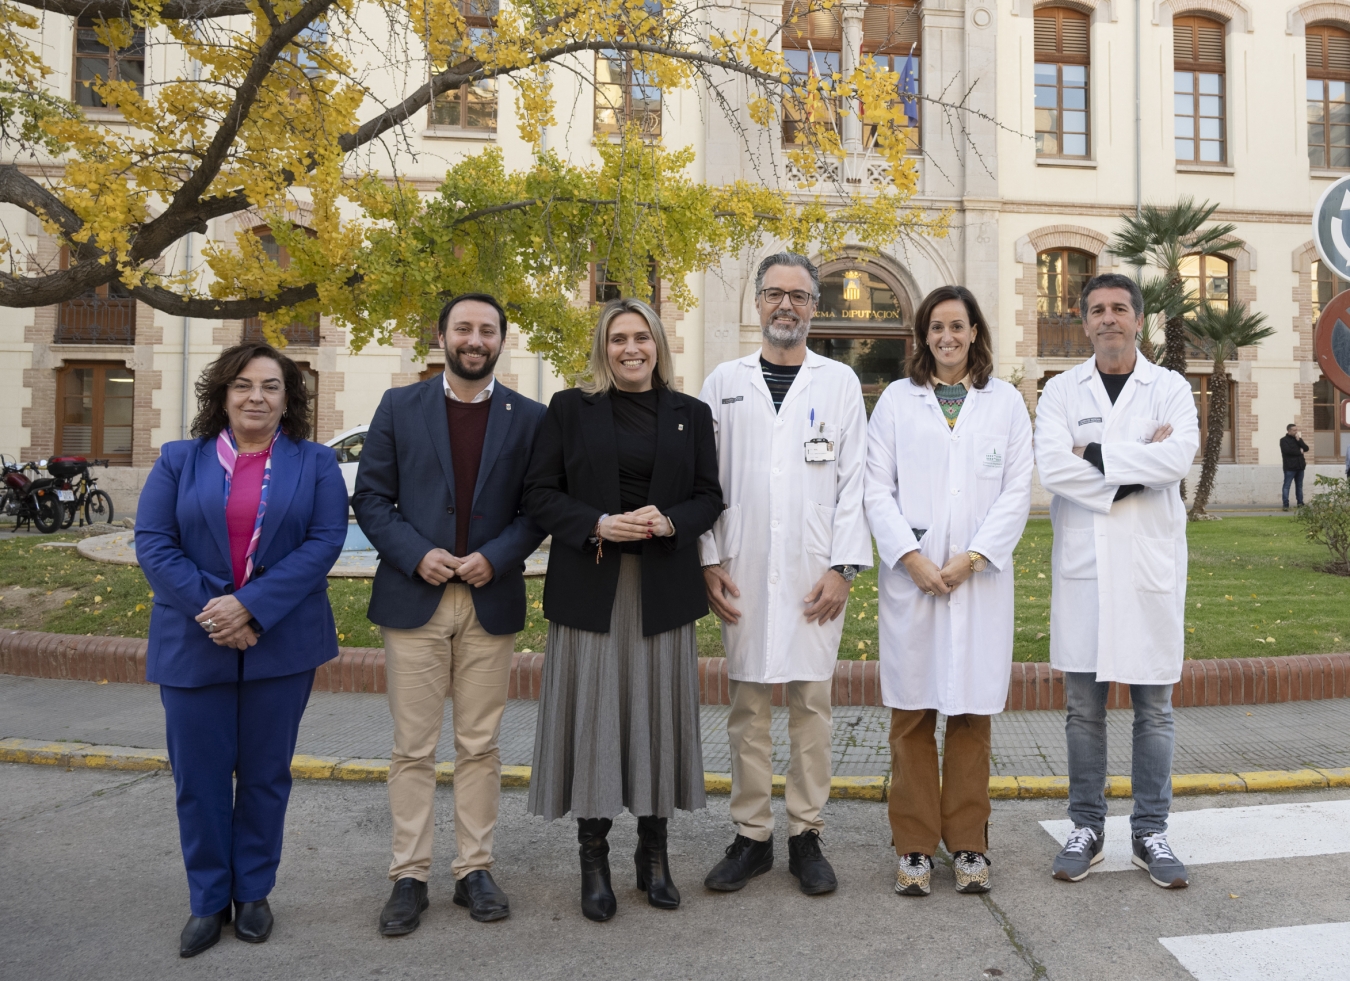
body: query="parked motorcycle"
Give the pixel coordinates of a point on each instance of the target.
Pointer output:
(29, 499)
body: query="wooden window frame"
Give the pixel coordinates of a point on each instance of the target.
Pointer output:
(1060, 59)
(84, 95)
(1197, 70)
(1340, 434)
(1060, 334)
(1315, 281)
(98, 397)
(599, 284)
(104, 315)
(893, 52)
(805, 34)
(476, 21)
(1202, 289)
(1201, 397)
(652, 122)
(1328, 81)
(297, 332)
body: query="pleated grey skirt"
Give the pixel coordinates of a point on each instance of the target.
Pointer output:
(618, 717)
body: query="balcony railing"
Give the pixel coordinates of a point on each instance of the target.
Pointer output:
(1061, 336)
(96, 320)
(302, 334)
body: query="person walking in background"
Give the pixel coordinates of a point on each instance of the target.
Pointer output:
(1292, 449)
(438, 494)
(624, 477)
(236, 531)
(1114, 438)
(791, 443)
(948, 491)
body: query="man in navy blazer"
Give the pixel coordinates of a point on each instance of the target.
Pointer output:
(438, 493)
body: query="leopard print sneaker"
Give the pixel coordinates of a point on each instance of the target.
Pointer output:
(915, 876)
(972, 872)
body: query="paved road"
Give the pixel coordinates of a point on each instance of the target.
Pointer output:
(1220, 739)
(91, 886)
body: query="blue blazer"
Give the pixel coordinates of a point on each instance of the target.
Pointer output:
(184, 550)
(406, 497)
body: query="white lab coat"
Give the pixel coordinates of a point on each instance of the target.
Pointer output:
(785, 521)
(970, 488)
(1119, 569)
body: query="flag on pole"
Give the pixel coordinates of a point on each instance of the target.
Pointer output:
(909, 89)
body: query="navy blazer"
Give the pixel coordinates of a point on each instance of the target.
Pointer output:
(405, 502)
(183, 546)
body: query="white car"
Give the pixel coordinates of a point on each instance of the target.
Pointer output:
(348, 446)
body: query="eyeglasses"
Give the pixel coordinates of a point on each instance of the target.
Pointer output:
(269, 388)
(799, 298)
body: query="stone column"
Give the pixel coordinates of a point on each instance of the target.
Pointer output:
(851, 54)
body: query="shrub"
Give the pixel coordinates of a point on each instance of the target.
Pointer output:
(1327, 516)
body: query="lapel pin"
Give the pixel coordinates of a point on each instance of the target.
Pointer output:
(508, 406)
(681, 427)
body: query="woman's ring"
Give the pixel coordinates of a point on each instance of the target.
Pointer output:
(209, 626)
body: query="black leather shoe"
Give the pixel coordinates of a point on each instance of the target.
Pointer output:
(745, 859)
(653, 865)
(253, 921)
(814, 873)
(403, 913)
(597, 895)
(485, 899)
(201, 933)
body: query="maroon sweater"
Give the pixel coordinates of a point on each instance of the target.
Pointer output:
(468, 426)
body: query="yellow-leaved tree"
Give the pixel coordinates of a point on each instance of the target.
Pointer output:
(266, 103)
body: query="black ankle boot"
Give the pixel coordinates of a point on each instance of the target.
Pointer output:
(653, 867)
(597, 896)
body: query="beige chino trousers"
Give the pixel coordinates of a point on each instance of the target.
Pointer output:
(450, 654)
(808, 776)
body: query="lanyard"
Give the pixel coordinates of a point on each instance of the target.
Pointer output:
(227, 452)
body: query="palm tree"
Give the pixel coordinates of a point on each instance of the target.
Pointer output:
(1168, 297)
(1221, 332)
(1163, 237)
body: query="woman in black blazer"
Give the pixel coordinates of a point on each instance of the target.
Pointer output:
(624, 477)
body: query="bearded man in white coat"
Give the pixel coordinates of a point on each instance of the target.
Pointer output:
(791, 447)
(1114, 438)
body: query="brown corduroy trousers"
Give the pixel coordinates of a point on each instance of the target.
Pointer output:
(925, 810)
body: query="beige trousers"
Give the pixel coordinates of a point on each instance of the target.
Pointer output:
(450, 654)
(808, 776)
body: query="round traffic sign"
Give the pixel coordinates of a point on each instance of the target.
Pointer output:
(1331, 341)
(1331, 226)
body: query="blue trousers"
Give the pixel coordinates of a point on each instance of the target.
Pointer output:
(231, 746)
(1294, 477)
(1151, 758)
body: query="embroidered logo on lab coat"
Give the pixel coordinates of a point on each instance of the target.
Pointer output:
(734, 398)
(993, 459)
(1089, 419)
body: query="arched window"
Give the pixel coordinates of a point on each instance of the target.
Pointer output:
(1207, 277)
(303, 332)
(472, 105)
(863, 319)
(1060, 277)
(95, 61)
(1061, 83)
(1328, 108)
(1198, 86)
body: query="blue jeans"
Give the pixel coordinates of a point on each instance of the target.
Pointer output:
(1294, 477)
(1151, 770)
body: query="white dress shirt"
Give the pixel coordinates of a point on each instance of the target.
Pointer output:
(482, 396)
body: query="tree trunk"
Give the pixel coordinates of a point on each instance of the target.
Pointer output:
(1174, 350)
(1218, 416)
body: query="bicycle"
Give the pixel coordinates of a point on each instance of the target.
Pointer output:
(28, 500)
(78, 490)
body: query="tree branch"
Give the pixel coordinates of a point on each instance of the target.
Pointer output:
(176, 305)
(172, 10)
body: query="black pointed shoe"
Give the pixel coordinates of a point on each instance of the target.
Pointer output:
(745, 859)
(483, 897)
(403, 913)
(653, 865)
(201, 933)
(597, 895)
(814, 873)
(253, 921)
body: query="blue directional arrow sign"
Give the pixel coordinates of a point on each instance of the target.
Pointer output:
(1330, 220)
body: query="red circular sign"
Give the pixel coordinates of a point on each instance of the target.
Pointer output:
(1331, 341)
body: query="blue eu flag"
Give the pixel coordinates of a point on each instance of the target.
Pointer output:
(909, 89)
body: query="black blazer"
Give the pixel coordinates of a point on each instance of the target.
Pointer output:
(406, 497)
(574, 479)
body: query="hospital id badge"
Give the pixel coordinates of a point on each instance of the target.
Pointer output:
(819, 450)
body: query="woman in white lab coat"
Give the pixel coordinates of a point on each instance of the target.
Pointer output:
(948, 490)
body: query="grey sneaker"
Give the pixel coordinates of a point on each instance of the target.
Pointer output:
(972, 872)
(1082, 851)
(915, 875)
(1153, 854)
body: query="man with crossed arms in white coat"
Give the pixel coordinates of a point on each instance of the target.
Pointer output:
(1114, 437)
(791, 447)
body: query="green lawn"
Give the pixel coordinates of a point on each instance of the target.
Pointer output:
(1254, 591)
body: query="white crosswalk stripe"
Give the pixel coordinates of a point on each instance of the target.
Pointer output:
(1233, 834)
(1299, 953)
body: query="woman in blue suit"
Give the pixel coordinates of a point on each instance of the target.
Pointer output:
(236, 531)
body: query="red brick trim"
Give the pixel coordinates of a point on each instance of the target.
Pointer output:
(1236, 681)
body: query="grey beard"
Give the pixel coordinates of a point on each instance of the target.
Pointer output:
(786, 337)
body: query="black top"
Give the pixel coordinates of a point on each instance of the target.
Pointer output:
(1115, 384)
(1291, 452)
(779, 378)
(635, 438)
(574, 477)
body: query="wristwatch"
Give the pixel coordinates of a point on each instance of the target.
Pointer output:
(978, 563)
(849, 572)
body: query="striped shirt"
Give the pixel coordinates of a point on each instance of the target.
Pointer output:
(779, 378)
